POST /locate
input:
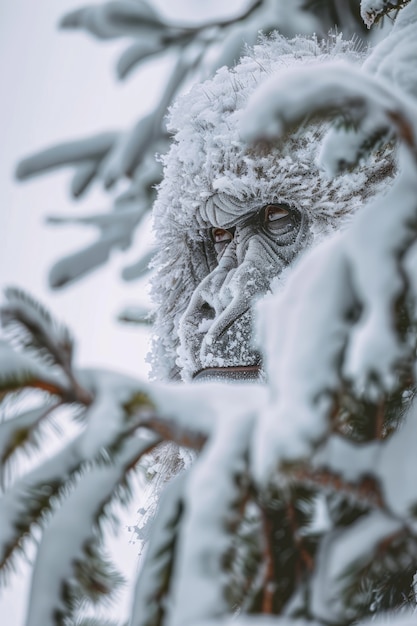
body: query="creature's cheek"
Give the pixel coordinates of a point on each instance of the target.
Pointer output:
(264, 255)
(272, 248)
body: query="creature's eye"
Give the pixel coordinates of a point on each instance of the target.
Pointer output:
(275, 217)
(221, 238)
(220, 235)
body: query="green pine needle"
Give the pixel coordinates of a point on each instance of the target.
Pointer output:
(30, 326)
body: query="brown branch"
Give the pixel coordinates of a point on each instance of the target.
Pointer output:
(404, 129)
(169, 430)
(379, 420)
(76, 394)
(53, 388)
(187, 31)
(299, 542)
(366, 491)
(269, 581)
(376, 16)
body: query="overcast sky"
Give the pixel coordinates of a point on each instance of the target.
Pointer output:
(56, 86)
(59, 85)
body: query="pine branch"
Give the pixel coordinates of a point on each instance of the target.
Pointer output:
(78, 520)
(22, 430)
(366, 492)
(289, 546)
(32, 327)
(377, 584)
(18, 371)
(96, 580)
(169, 430)
(30, 501)
(154, 584)
(244, 564)
(373, 14)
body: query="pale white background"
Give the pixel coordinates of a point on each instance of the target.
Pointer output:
(58, 85)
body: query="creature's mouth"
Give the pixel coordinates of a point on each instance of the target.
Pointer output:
(239, 372)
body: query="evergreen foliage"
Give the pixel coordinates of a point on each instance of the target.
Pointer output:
(300, 508)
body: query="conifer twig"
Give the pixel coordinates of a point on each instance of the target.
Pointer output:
(169, 430)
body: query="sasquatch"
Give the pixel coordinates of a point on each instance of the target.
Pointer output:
(230, 218)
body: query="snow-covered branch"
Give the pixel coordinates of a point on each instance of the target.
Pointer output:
(76, 519)
(300, 500)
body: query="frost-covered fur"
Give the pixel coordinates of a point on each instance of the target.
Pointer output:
(213, 179)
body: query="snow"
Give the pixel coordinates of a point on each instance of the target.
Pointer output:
(308, 349)
(345, 458)
(393, 58)
(199, 578)
(377, 238)
(105, 425)
(371, 9)
(409, 265)
(15, 366)
(115, 19)
(344, 270)
(76, 520)
(391, 619)
(12, 429)
(13, 503)
(301, 385)
(146, 601)
(129, 150)
(343, 88)
(106, 416)
(201, 407)
(115, 231)
(397, 461)
(82, 150)
(29, 325)
(341, 550)
(135, 53)
(388, 462)
(80, 263)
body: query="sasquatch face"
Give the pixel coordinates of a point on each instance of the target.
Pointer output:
(216, 327)
(229, 218)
